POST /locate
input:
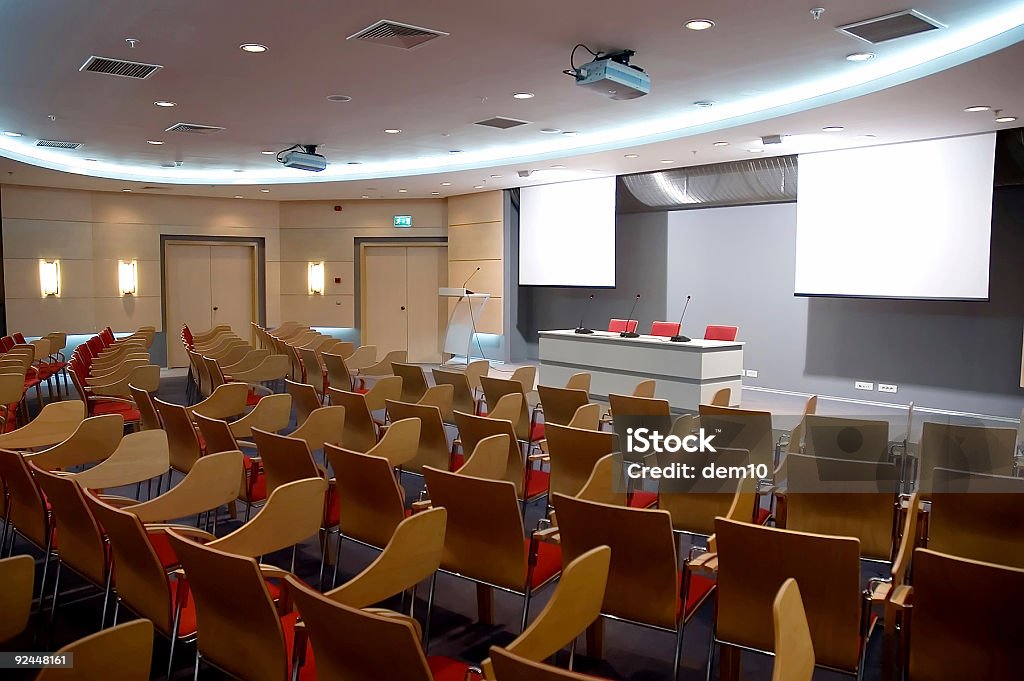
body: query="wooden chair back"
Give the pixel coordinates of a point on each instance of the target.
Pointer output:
(271, 413)
(148, 418)
(722, 397)
(226, 401)
(230, 589)
(371, 503)
(974, 449)
(414, 383)
(827, 569)
(844, 498)
(835, 437)
(474, 370)
(360, 430)
(305, 399)
(17, 574)
(694, 504)
(496, 388)
(293, 513)
(325, 425)
(488, 459)
(642, 578)
(473, 429)
(579, 381)
(216, 434)
(645, 388)
(182, 438)
(462, 392)
(285, 459)
(526, 376)
(201, 371)
(574, 452)
(432, 448)
(81, 544)
(121, 653)
(140, 456)
(741, 429)
(605, 485)
(633, 405)
(511, 667)
(214, 480)
(484, 536)
(399, 443)
(25, 508)
(794, 651)
(560, 404)
(95, 439)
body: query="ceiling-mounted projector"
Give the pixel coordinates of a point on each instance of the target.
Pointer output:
(303, 157)
(611, 75)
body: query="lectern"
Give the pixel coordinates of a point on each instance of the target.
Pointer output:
(462, 322)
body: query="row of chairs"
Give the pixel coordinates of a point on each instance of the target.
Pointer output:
(103, 368)
(36, 362)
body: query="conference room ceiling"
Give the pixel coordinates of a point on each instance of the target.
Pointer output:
(757, 53)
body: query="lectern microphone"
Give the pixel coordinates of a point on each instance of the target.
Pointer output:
(468, 278)
(679, 338)
(581, 328)
(627, 333)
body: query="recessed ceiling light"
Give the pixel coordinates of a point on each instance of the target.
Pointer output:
(699, 24)
(446, 184)
(860, 56)
(496, 177)
(11, 133)
(126, 190)
(238, 196)
(455, 151)
(267, 152)
(550, 131)
(666, 161)
(402, 191)
(435, 193)
(570, 133)
(976, 109)
(557, 167)
(720, 144)
(164, 102)
(523, 95)
(1006, 119)
(253, 47)
(632, 156)
(366, 196)
(478, 186)
(265, 191)
(756, 151)
(338, 98)
(392, 131)
(833, 128)
(704, 103)
(154, 142)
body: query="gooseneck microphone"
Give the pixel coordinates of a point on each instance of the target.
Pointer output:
(581, 328)
(681, 338)
(468, 278)
(627, 333)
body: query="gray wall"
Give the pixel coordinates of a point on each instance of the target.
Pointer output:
(738, 263)
(640, 267)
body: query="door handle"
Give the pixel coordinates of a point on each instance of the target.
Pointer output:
(403, 307)
(217, 308)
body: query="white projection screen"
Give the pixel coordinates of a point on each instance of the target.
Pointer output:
(908, 220)
(567, 234)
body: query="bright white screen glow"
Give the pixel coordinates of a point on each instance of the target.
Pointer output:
(567, 234)
(897, 221)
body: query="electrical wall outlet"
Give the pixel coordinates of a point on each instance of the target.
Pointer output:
(752, 373)
(864, 385)
(886, 388)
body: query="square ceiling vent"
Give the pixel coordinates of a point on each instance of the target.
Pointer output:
(502, 123)
(396, 34)
(891, 26)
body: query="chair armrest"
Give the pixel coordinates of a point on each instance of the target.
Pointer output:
(419, 506)
(550, 535)
(194, 533)
(705, 564)
(117, 501)
(273, 572)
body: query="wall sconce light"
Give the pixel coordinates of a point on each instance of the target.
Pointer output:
(127, 277)
(316, 278)
(49, 278)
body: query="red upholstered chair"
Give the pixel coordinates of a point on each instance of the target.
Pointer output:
(721, 333)
(620, 325)
(19, 338)
(667, 329)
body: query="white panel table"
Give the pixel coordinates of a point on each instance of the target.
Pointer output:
(688, 374)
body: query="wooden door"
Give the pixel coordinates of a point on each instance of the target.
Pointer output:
(232, 270)
(427, 270)
(385, 315)
(187, 271)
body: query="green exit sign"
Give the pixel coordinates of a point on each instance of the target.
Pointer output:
(403, 221)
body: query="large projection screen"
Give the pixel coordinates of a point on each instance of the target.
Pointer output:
(567, 234)
(908, 220)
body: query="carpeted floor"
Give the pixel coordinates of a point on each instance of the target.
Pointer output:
(632, 653)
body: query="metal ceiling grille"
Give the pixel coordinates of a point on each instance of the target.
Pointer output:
(891, 26)
(765, 180)
(194, 128)
(119, 67)
(502, 123)
(58, 144)
(396, 34)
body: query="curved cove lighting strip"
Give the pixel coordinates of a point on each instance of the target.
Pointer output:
(923, 58)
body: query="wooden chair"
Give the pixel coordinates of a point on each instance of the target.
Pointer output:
(227, 401)
(634, 405)
(432, 448)
(579, 381)
(526, 376)
(182, 439)
(722, 397)
(94, 440)
(694, 504)
(17, 574)
(463, 398)
(383, 366)
(338, 375)
(574, 605)
(219, 438)
(272, 414)
(305, 399)
(139, 457)
(742, 429)
(148, 418)
(973, 449)
(414, 383)
(400, 442)
(484, 540)
(645, 388)
(313, 367)
(230, 589)
(121, 653)
(212, 482)
(494, 389)
(530, 483)
(560, 404)
(273, 368)
(963, 623)
(360, 432)
(794, 440)
(25, 512)
(644, 577)
(573, 453)
(488, 459)
(55, 423)
(844, 438)
(794, 651)
(828, 570)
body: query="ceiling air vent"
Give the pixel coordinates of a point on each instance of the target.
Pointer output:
(891, 27)
(194, 128)
(58, 144)
(395, 34)
(502, 123)
(119, 67)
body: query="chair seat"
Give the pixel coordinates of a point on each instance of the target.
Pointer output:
(700, 588)
(538, 484)
(164, 551)
(187, 623)
(642, 499)
(549, 563)
(126, 410)
(252, 399)
(259, 487)
(448, 669)
(761, 516)
(308, 670)
(331, 512)
(537, 432)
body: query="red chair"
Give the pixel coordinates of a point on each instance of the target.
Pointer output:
(19, 338)
(620, 325)
(667, 329)
(721, 333)
(6, 343)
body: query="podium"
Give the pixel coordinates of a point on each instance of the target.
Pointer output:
(462, 322)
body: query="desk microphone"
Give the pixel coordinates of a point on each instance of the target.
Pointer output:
(681, 338)
(581, 328)
(627, 333)
(468, 292)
